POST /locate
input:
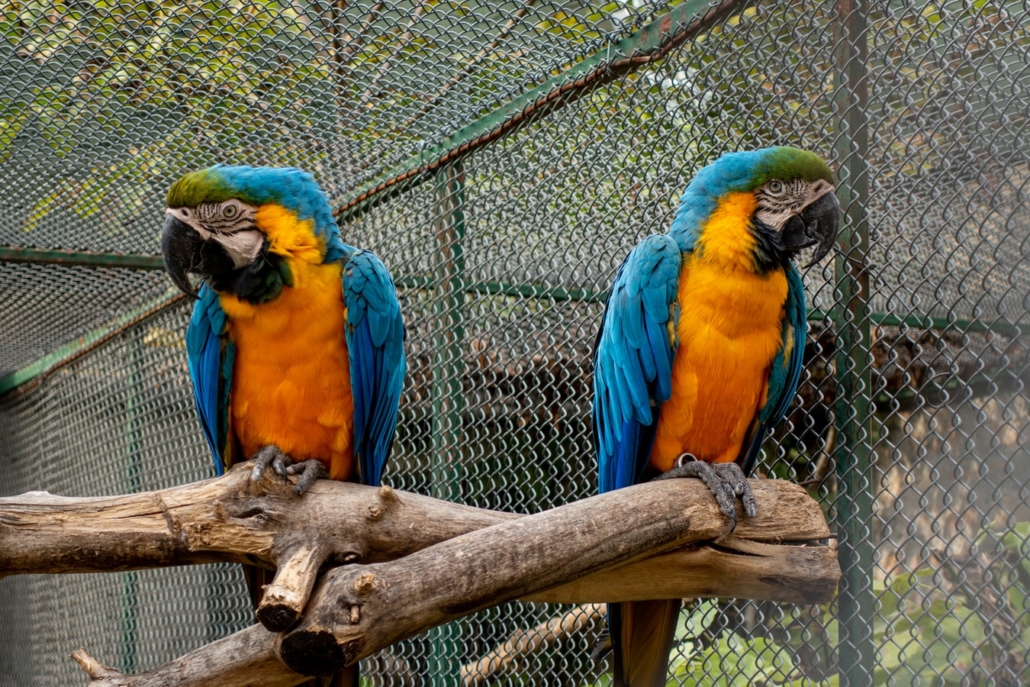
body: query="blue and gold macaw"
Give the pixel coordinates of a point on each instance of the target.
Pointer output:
(296, 343)
(700, 350)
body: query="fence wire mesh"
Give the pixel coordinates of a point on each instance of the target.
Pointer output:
(911, 423)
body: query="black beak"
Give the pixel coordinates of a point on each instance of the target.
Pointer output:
(817, 225)
(185, 251)
(180, 246)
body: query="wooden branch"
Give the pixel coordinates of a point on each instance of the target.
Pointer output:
(358, 610)
(507, 657)
(230, 519)
(657, 540)
(244, 659)
(732, 567)
(284, 599)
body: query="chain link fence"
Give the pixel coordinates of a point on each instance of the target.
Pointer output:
(502, 158)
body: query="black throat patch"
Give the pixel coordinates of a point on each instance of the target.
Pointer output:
(770, 252)
(258, 282)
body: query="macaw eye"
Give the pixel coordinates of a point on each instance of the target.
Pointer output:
(775, 187)
(229, 211)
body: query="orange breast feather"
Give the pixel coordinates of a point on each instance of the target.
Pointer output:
(291, 376)
(730, 329)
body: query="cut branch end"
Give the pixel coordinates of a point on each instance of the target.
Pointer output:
(100, 675)
(284, 600)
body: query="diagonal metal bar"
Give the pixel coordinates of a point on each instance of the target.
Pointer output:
(62, 356)
(648, 45)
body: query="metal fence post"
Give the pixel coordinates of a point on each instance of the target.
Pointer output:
(134, 433)
(448, 369)
(856, 604)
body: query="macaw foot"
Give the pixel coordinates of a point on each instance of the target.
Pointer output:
(726, 481)
(269, 456)
(283, 465)
(309, 471)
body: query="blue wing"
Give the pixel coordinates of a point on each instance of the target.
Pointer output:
(785, 374)
(375, 341)
(633, 360)
(210, 354)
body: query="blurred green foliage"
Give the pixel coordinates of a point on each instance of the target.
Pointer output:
(963, 624)
(138, 87)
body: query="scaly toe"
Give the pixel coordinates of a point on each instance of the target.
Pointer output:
(269, 456)
(730, 511)
(721, 491)
(733, 477)
(309, 471)
(726, 502)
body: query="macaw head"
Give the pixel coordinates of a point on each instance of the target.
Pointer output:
(240, 228)
(791, 201)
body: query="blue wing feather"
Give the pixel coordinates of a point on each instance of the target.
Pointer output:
(785, 374)
(375, 341)
(209, 354)
(633, 360)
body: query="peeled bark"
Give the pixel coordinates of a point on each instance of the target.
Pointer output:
(230, 518)
(358, 610)
(417, 561)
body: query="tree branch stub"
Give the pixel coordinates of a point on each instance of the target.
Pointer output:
(424, 561)
(358, 610)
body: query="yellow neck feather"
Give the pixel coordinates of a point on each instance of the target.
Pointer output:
(288, 236)
(293, 239)
(726, 237)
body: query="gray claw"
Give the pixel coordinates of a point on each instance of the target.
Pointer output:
(309, 471)
(726, 481)
(722, 492)
(269, 456)
(731, 474)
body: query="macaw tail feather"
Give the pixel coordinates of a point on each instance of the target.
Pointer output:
(257, 579)
(348, 677)
(643, 633)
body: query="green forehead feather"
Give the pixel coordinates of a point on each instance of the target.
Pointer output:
(288, 187)
(792, 163)
(203, 186)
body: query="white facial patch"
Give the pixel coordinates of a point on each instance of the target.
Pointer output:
(780, 200)
(243, 246)
(187, 216)
(230, 223)
(816, 191)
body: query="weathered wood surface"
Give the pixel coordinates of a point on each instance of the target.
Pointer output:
(234, 519)
(734, 567)
(419, 562)
(245, 659)
(230, 518)
(358, 610)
